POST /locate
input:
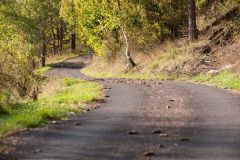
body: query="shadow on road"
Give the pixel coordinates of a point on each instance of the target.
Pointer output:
(68, 65)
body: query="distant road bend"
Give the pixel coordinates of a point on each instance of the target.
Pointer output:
(140, 120)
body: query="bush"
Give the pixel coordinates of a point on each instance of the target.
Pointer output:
(17, 79)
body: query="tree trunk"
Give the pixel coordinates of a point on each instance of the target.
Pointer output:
(73, 41)
(58, 40)
(73, 34)
(33, 63)
(192, 20)
(116, 35)
(131, 63)
(61, 35)
(44, 50)
(54, 40)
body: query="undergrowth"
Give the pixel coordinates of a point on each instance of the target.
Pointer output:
(58, 98)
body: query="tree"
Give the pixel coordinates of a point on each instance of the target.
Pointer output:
(27, 33)
(41, 23)
(106, 26)
(131, 63)
(193, 35)
(17, 79)
(67, 13)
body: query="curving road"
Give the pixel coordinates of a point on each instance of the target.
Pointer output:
(196, 123)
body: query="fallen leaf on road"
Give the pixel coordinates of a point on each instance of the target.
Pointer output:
(77, 124)
(163, 135)
(143, 82)
(37, 151)
(184, 139)
(96, 107)
(161, 146)
(107, 88)
(132, 132)
(157, 131)
(148, 153)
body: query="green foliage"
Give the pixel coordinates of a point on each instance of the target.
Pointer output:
(201, 3)
(92, 20)
(16, 72)
(21, 36)
(147, 21)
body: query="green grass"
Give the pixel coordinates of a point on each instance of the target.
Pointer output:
(225, 79)
(59, 98)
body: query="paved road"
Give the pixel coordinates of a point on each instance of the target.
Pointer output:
(197, 122)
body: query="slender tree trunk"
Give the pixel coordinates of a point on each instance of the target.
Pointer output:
(61, 35)
(33, 63)
(192, 20)
(73, 34)
(44, 49)
(54, 41)
(116, 35)
(58, 40)
(73, 41)
(131, 63)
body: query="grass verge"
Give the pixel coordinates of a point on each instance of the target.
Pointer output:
(225, 79)
(58, 98)
(128, 75)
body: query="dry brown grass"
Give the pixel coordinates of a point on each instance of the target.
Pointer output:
(229, 55)
(51, 87)
(166, 57)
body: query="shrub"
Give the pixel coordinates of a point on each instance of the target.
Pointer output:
(17, 79)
